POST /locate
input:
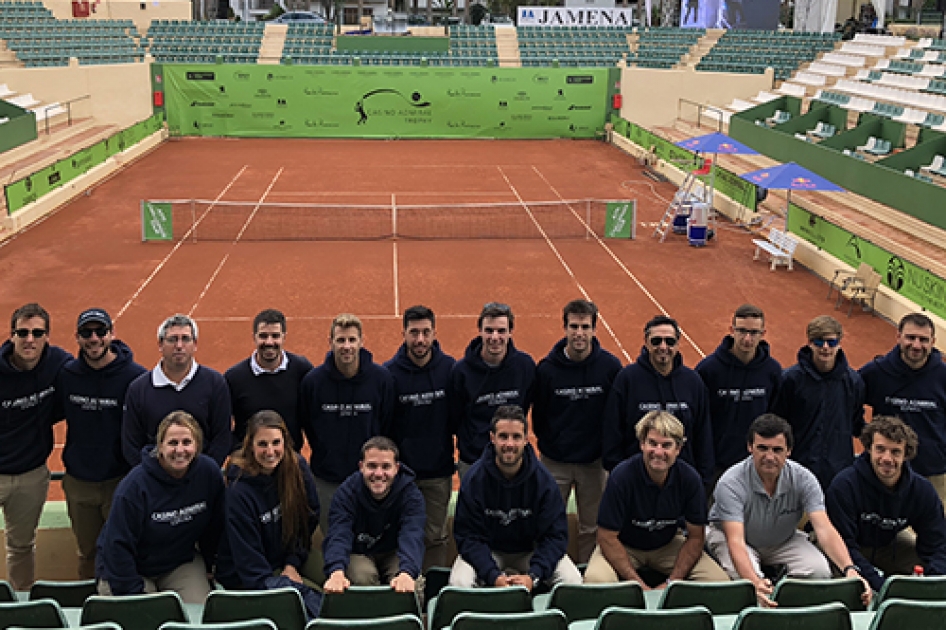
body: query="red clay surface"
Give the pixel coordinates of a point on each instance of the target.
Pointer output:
(90, 254)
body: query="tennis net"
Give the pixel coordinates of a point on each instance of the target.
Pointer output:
(203, 220)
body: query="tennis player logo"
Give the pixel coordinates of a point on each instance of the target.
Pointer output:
(157, 221)
(415, 100)
(619, 220)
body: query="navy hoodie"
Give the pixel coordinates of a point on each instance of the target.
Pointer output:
(252, 549)
(825, 411)
(738, 394)
(156, 521)
(868, 514)
(569, 403)
(422, 427)
(478, 388)
(339, 414)
(92, 400)
(29, 407)
(638, 389)
(918, 397)
(360, 524)
(518, 515)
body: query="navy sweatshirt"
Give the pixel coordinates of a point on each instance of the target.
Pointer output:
(29, 407)
(518, 515)
(918, 397)
(569, 403)
(156, 521)
(868, 514)
(206, 398)
(640, 388)
(93, 400)
(360, 524)
(277, 391)
(738, 394)
(422, 428)
(478, 388)
(825, 411)
(645, 515)
(252, 549)
(339, 414)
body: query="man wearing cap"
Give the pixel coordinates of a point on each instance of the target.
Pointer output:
(28, 409)
(92, 392)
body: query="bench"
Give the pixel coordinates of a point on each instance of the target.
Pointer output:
(778, 118)
(937, 167)
(779, 246)
(823, 130)
(875, 146)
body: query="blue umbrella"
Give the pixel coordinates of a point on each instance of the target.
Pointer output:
(716, 143)
(790, 177)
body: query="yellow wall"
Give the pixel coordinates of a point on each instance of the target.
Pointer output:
(140, 12)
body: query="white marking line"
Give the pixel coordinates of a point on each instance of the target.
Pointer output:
(624, 268)
(177, 245)
(360, 194)
(568, 269)
(397, 298)
(239, 235)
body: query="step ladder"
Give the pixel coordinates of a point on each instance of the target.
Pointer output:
(690, 191)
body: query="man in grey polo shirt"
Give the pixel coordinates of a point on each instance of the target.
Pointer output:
(758, 505)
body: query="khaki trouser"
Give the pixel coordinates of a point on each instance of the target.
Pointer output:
(437, 501)
(464, 575)
(188, 580)
(897, 558)
(661, 560)
(372, 570)
(22, 498)
(939, 482)
(589, 481)
(89, 503)
(326, 491)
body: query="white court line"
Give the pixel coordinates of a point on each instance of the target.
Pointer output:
(239, 235)
(568, 269)
(623, 267)
(397, 300)
(453, 194)
(177, 245)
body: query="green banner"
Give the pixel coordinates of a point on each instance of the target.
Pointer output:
(909, 280)
(40, 183)
(384, 102)
(621, 220)
(156, 224)
(726, 182)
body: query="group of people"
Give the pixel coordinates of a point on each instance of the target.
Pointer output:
(645, 448)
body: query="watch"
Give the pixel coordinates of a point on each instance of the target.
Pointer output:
(849, 567)
(535, 580)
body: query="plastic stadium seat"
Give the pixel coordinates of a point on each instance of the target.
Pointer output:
(721, 598)
(825, 617)
(252, 624)
(453, 600)
(43, 613)
(367, 602)
(542, 620)
(6, 592)
(141, 612)
(900, 614)
(396, 622)
(67, 594)
(283, 606)
(690, 618)
(911, 588)
(794, 593)
(588, 601)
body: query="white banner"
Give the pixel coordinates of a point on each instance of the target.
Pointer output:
(568, 16)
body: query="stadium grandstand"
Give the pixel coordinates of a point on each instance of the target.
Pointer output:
(105, 101)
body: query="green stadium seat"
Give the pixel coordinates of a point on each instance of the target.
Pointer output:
(795, 593)
(722, 598)
(832, 616)
(43, 613)
(588, 601)
(283, 606)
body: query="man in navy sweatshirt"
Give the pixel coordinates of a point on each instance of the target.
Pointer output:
(571, 387)
(510, 523)
(910, 382)
(177, 383)
(92, 392)
(874, 502)
(269, 379)
(742, 379)
(28, 409)
(376, 524)
(342, 403)
(492, 373)
(659, 381)
(822, 398)
(422, 428)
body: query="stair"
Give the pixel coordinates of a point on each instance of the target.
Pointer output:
(507, 47)
(274, 40)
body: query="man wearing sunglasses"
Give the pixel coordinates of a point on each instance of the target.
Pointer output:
(822, 398)
(92, 392)
(742, 379)
(658, 381)
(909, 382)
(28, 410)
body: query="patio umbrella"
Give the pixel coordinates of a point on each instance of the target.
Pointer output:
(790, 177)
(715, 143)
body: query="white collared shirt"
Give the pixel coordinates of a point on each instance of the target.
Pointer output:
(258, 369)
(160, 379)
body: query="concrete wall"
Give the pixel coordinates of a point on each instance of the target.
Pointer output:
(141, 12)
(651, 97)
(120, 93)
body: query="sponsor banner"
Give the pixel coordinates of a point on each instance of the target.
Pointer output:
(730, 14)
(725, 182)
(574, 16)
(621, 220)
(34, 186)
(385, 102)
(156, 224)
(909, 280)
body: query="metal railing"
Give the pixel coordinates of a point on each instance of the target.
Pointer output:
(68, 106)
(700, 109)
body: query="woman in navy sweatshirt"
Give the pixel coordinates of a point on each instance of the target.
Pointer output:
(272, 510)
(166, 518)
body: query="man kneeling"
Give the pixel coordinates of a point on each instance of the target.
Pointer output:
(645, 499)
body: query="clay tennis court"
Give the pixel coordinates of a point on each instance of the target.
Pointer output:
(91, 253)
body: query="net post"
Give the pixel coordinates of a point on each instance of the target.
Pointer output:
(193, 221)
(588, 219)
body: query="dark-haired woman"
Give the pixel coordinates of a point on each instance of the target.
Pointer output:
(272, 510)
